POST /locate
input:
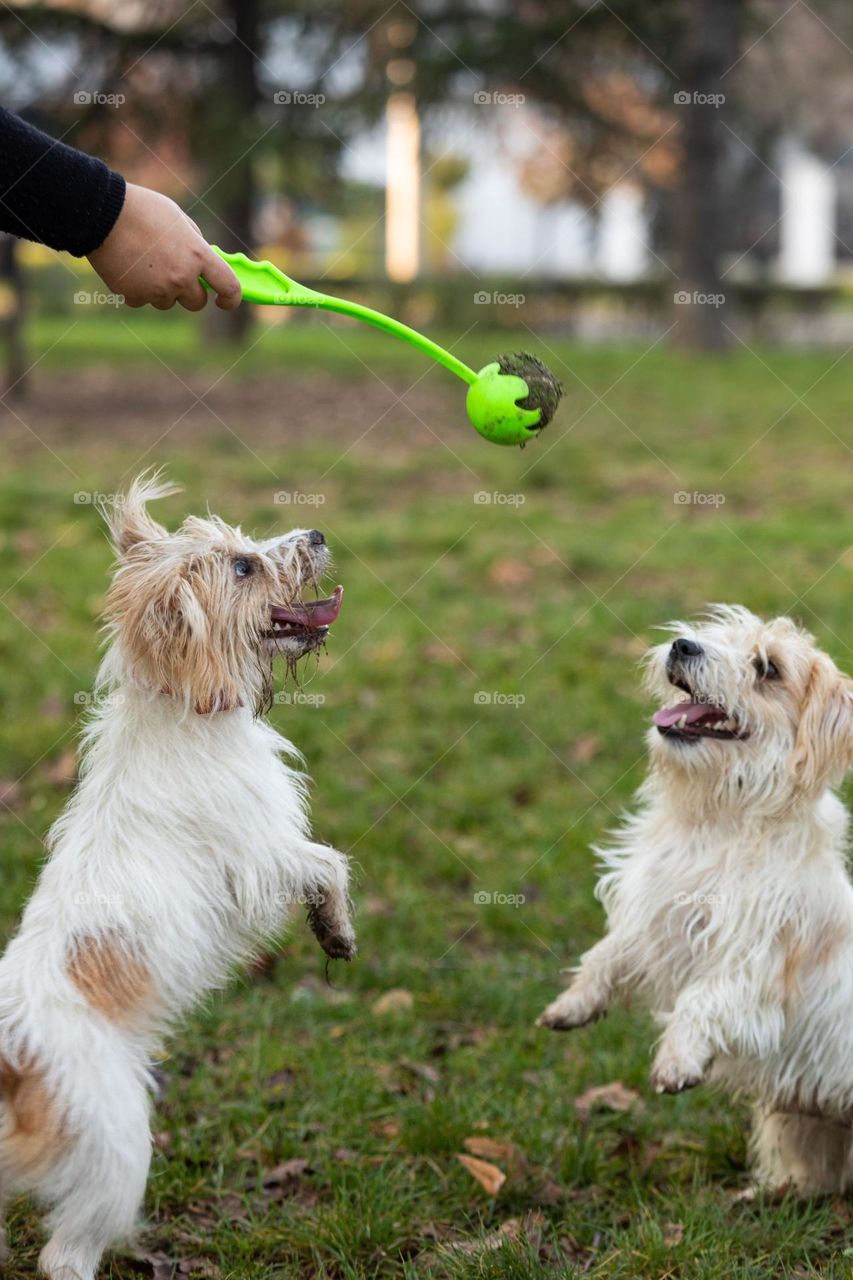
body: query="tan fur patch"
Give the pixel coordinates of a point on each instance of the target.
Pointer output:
(801, 959)
(792, 959)
(824, 742)
(113, 981)
(34, 1132)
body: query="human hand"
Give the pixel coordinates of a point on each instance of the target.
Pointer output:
(155, 254)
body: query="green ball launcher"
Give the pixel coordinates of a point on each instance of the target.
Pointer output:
(509, 401)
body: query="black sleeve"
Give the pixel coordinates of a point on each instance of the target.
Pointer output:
(53, 194)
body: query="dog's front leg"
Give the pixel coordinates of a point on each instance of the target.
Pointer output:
(329, 906)
(684, 1056)
(724, 1016)
(588, 996)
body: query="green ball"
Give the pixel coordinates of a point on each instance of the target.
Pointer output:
(512, 399)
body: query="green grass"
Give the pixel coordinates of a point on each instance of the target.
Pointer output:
(441, 795)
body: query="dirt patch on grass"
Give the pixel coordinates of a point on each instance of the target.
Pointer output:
(143, 408)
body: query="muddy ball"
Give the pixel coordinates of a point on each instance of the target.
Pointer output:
(545, 390)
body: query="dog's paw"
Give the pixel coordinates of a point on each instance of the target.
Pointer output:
(571, 1009)
(338, 946)
(333, 930)
(673, 1070)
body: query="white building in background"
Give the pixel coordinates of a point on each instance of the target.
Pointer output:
(807, 239)
(504, 230)
(623, 234)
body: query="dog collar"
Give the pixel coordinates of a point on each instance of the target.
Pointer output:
(218, 703)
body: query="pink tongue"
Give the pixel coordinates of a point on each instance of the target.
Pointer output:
(693, 711)
(311, 613)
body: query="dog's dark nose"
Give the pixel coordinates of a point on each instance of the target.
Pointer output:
(685, 649)
(316, 539)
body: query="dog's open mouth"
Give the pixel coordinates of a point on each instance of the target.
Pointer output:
(305, 618)
(693, 718)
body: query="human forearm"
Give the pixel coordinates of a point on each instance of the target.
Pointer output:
(53, 194)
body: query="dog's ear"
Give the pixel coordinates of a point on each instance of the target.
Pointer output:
(196, 658)
(127, 516)
(171, 638)
(823, 750)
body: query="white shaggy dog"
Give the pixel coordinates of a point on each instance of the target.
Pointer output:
(729, 907)
(185, 844)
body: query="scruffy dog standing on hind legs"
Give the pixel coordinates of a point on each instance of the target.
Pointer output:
(729, 906)
(185, 844)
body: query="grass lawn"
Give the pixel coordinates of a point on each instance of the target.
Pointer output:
(476, 723)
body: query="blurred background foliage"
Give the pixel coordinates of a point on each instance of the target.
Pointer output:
(265, 119)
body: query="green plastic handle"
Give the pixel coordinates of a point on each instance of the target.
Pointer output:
(265, 283)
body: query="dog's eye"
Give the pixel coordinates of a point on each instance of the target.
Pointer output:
(243, 568)
(767, 670)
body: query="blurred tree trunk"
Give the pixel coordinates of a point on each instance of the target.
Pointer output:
(707, 50)
(12, 319)
(235, 195)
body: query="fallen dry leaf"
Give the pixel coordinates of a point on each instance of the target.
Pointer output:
(436, 1230)
(569, 1251)
(312, 987)
(62, 771)
(288, 1171)
(440, 653)
(28, 542)
(489, 1176)
(650, 1153)
(423, 1069)
(456, 1035)
(841, 1209)
(292, 1181)
(393, 1001)
(386, 1128)
(162, 1266)
(529, 1227)
(586, 748)
(612, 1097)
(199, 1267)
(10, 793)
(534, 1078)
(507, 1153)
(673, 1234)
(232, 1206)
(495, 1240)
(550, 1193)
(532, 1226)
(510, 573)
(374, 905)
(280, 1081)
